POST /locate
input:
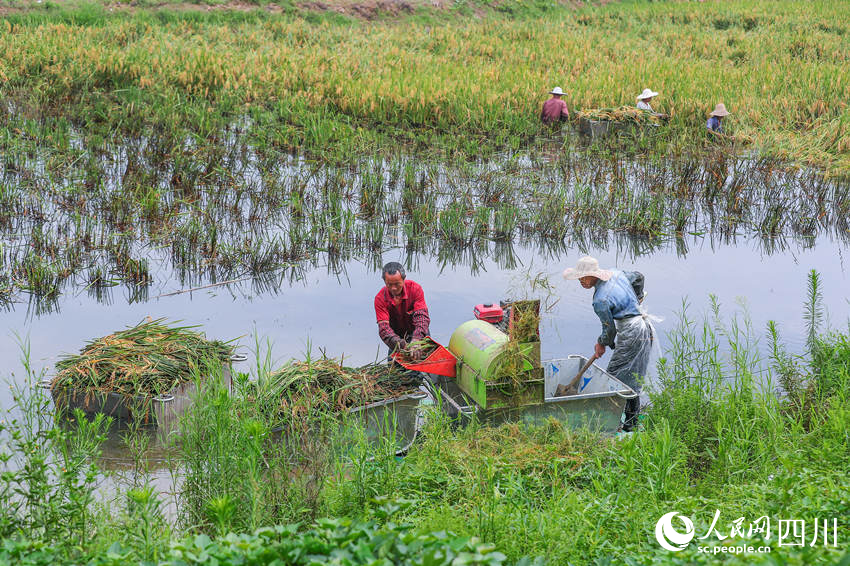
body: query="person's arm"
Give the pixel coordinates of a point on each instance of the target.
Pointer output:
(609, 330)
(717, 130)
(389, 337)
(385, 331)
(565, 112)
(421, 323)
(421, 318)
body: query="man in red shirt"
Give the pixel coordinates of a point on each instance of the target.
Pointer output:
(555, 109)
(400, 309)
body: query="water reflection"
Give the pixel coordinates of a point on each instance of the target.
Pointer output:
(142, 215)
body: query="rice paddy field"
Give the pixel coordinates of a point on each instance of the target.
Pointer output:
(234, 175)
(450, 80)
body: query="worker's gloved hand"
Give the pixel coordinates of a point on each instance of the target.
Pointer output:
(416, 353)
(400, 344)
(599, 350)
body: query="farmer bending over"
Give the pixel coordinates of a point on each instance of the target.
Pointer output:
(555, 109)
(616, 296)
(715, 119)
(401, 310)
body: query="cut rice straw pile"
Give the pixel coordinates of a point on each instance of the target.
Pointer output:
(149, 359)
(302, 388)
(623, 114)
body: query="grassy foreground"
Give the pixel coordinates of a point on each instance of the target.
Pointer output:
(463, 80)
(718, 442)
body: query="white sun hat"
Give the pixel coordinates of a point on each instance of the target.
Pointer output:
(556, 90)
(647, 93)
(587, 266)
(719, 110)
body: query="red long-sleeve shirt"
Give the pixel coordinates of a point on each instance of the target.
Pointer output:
(554, 110)
(407, 318)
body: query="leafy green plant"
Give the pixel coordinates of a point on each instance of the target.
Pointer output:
(49, 468)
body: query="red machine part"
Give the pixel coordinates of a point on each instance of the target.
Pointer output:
(440, 362)
(489, 312)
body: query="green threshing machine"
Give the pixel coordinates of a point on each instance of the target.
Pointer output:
(493, 368)
(494, 358)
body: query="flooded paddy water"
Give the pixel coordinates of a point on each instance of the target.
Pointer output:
(286, 252)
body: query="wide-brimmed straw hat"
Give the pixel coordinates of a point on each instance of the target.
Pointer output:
(587, 266)
(647, 93)
(719, 110)
(556, 90)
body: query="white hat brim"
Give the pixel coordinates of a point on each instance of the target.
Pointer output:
(571, 274)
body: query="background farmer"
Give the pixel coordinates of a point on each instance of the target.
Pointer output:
(400, 309)
(645, 98)
(616, 296)
(555, 109)
(644, 101)
(715, 119)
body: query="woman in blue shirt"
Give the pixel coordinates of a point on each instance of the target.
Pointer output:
(616, 299)
(715, 119)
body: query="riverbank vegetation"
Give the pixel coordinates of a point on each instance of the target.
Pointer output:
(720, 436)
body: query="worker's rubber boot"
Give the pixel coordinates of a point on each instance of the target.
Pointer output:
(632, 413)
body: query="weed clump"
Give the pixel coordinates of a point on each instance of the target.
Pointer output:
(519, 356)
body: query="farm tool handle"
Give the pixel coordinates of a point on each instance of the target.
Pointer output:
(574, 383)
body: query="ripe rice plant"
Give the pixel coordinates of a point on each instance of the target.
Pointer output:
(465, 85)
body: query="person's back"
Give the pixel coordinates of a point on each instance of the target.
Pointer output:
(554, 109)
(618, 295)
(715, 119)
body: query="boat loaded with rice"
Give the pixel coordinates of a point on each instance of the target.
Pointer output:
(599, 122)
(147, 372)
(383, 398)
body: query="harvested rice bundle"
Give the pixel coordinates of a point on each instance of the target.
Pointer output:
(148, 359)
(325, 386)
(621, 114)
(417, 351)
